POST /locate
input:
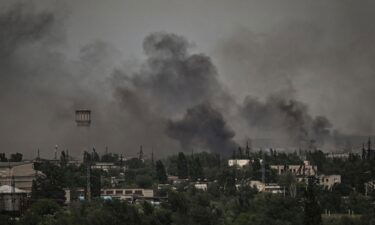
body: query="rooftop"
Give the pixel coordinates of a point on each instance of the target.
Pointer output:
(5, 189)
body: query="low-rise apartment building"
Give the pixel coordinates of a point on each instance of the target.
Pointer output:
(239, 162)
(127, 193)
(328, 181)
(304, 170)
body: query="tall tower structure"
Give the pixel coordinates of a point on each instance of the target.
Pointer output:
(141, 153)
(83, 119)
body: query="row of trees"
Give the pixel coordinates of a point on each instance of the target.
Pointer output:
(228, 200)
(188, 206)
(16, 157)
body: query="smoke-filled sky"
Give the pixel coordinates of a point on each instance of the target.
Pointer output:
(185, 75)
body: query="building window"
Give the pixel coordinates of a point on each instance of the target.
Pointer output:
(110, 192)
(128, 192)
(138, 192)
(118, 192)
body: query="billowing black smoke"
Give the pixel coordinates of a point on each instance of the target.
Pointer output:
(171, 78)
(172, 100)
(40, 88)
(169, 82)
(19, 26)
(204, 127)
(286, 118)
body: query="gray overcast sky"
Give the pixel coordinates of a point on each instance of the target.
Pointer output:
(126, 22)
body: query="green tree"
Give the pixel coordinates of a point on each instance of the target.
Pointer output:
(161, 175)
(110, 157)
(134, 163)
(49, 184)
(95, 156)
(3, 158)
(6, 220)
(17, 157)
(143, 181)
(182, 166)
(196, 170)
(271, 209)
(39, 211)
(289, 181)
(227, 180)
(63, 159)
(95, 180)
(312, 208)
(87, 158)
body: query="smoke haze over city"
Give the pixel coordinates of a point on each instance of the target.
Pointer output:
(192, 76)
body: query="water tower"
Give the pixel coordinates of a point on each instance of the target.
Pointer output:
(83, 119)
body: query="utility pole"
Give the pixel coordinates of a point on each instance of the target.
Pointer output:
(88, 180)
(263, 170)
(152, 156)
(141, 153)
(56, 147)
(13, 190)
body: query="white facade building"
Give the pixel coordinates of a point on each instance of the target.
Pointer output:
(201, 186)
(238, 162)
(105, 166)
(270, 188)
(328, 181)
(127, 193)
(305, 169)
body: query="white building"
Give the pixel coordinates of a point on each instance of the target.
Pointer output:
(274, 189)
(238, 162)
(369, 187)
(270, 188)
(258, 185)
(175, 180)
(21, 174)
(12, 199)
(305, 169)
(127, 193)
(337, 155)
(328, 181)
(105, 166)
(201, 186)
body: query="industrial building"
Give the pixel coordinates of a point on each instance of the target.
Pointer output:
(21, 174)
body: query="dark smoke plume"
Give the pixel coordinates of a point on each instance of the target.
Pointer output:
(19, 26)
(326, 52)
(174, 99)
(40, 88)
(170, 81)
(286, 118)
(203, 127)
